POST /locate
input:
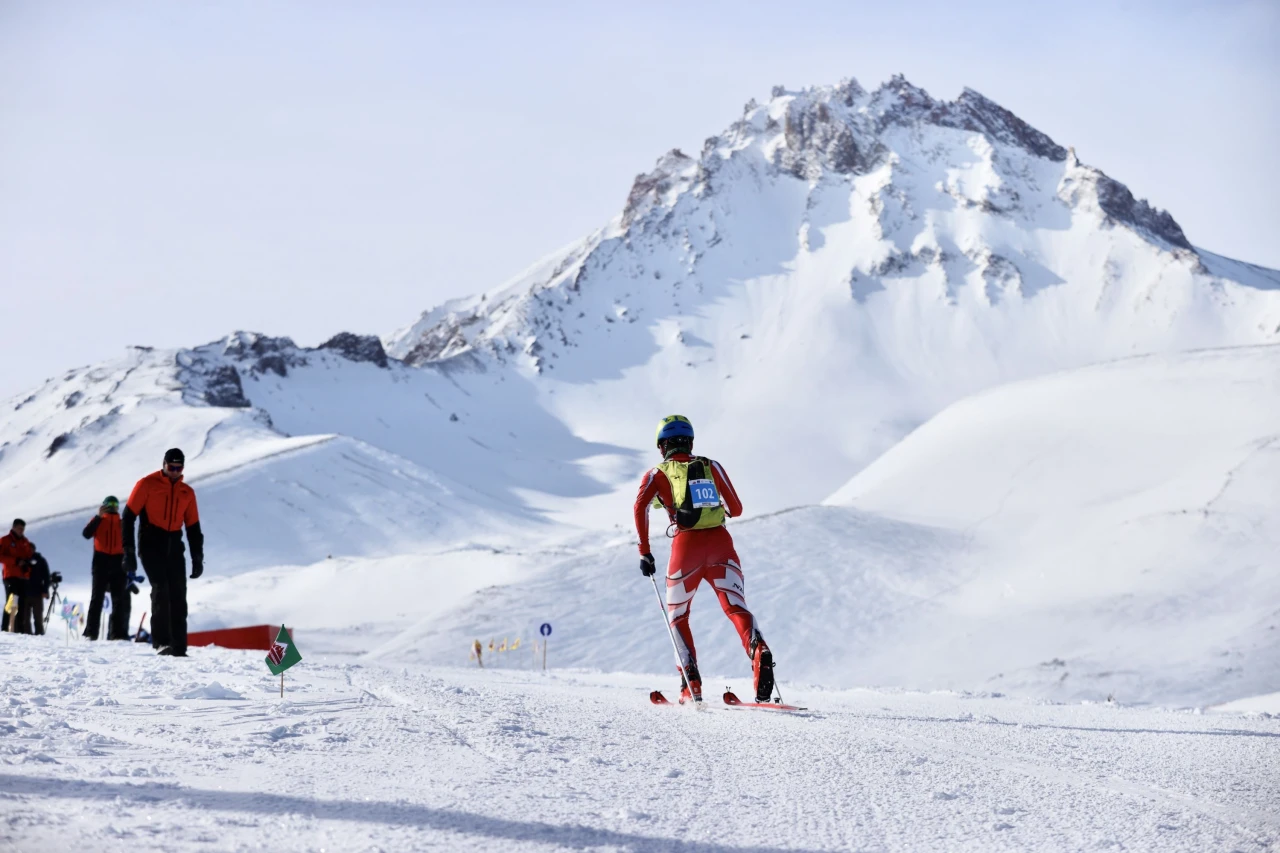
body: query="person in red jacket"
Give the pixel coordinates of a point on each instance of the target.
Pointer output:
(698, 498)
(164, 505)
(108, 571)
(16, 551)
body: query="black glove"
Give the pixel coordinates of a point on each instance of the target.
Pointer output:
(197, 568)
(133, 588)
(130, 563)
(647, 567)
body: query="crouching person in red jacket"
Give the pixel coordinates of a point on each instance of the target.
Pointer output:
(16, 551)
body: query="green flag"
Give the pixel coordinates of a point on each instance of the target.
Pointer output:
(283, 654)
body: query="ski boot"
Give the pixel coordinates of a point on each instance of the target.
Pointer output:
(691, 685)
(762, 668)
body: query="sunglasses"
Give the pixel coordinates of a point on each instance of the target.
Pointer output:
(173, 466)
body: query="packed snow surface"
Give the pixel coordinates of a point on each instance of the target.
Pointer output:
(99, 755)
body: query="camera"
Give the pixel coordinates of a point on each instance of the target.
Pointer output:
(55, 578)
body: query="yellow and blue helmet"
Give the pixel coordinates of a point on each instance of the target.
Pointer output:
(674, 426)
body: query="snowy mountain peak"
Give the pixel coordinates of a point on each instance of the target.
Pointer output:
(889, 186)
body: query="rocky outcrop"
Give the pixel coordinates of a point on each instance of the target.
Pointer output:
(447, 338)
(973, 112)
(366, 348)
(211, 382)
(651, 186)
(269, 355)
(1118, 203)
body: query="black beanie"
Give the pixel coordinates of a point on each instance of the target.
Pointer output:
(173, 454)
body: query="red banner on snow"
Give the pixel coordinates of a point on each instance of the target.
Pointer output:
(257, 637)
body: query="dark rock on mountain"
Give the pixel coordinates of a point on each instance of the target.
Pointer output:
(222, 387)
(357, 348)
(1118, 203)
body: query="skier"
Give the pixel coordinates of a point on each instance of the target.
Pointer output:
(15, 553)
(698, 497)
(165, 505)
(108, 571)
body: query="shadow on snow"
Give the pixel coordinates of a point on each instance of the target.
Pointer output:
(393, 814)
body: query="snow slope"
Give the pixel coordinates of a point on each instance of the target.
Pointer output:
(108, 748)
(1127, 514)
(296, 454)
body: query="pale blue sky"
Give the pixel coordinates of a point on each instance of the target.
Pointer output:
(170, 172)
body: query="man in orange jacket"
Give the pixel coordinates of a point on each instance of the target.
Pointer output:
(164, 505)
(16, 551)
(108, 571)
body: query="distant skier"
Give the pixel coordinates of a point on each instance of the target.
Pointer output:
(15, 555)
(108, 571)
(165, 505)
(698, 497)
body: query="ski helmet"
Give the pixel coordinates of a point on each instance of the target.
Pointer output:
(674, 426)
(111, 502)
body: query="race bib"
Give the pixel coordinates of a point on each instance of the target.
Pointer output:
(704, 494)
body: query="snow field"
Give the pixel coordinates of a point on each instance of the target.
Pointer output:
(1107, 531)
(101, 751)
(1126, 516)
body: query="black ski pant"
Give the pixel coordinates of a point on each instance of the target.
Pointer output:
(108, 577)
(12, 622)
(121, 610)
(37, 607)
(167, 573)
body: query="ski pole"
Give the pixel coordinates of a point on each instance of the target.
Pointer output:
(670, 631)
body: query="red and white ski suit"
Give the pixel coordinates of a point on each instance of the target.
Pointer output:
(697, 555)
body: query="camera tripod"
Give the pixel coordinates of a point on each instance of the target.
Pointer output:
(53, 599)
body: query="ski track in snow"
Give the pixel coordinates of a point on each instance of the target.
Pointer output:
(99, 754)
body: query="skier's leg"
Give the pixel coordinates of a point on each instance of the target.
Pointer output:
(731, 589)
(684, 573)
(680, 591)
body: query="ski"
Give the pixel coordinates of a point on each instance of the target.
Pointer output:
(657, 698)
(731, 699)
